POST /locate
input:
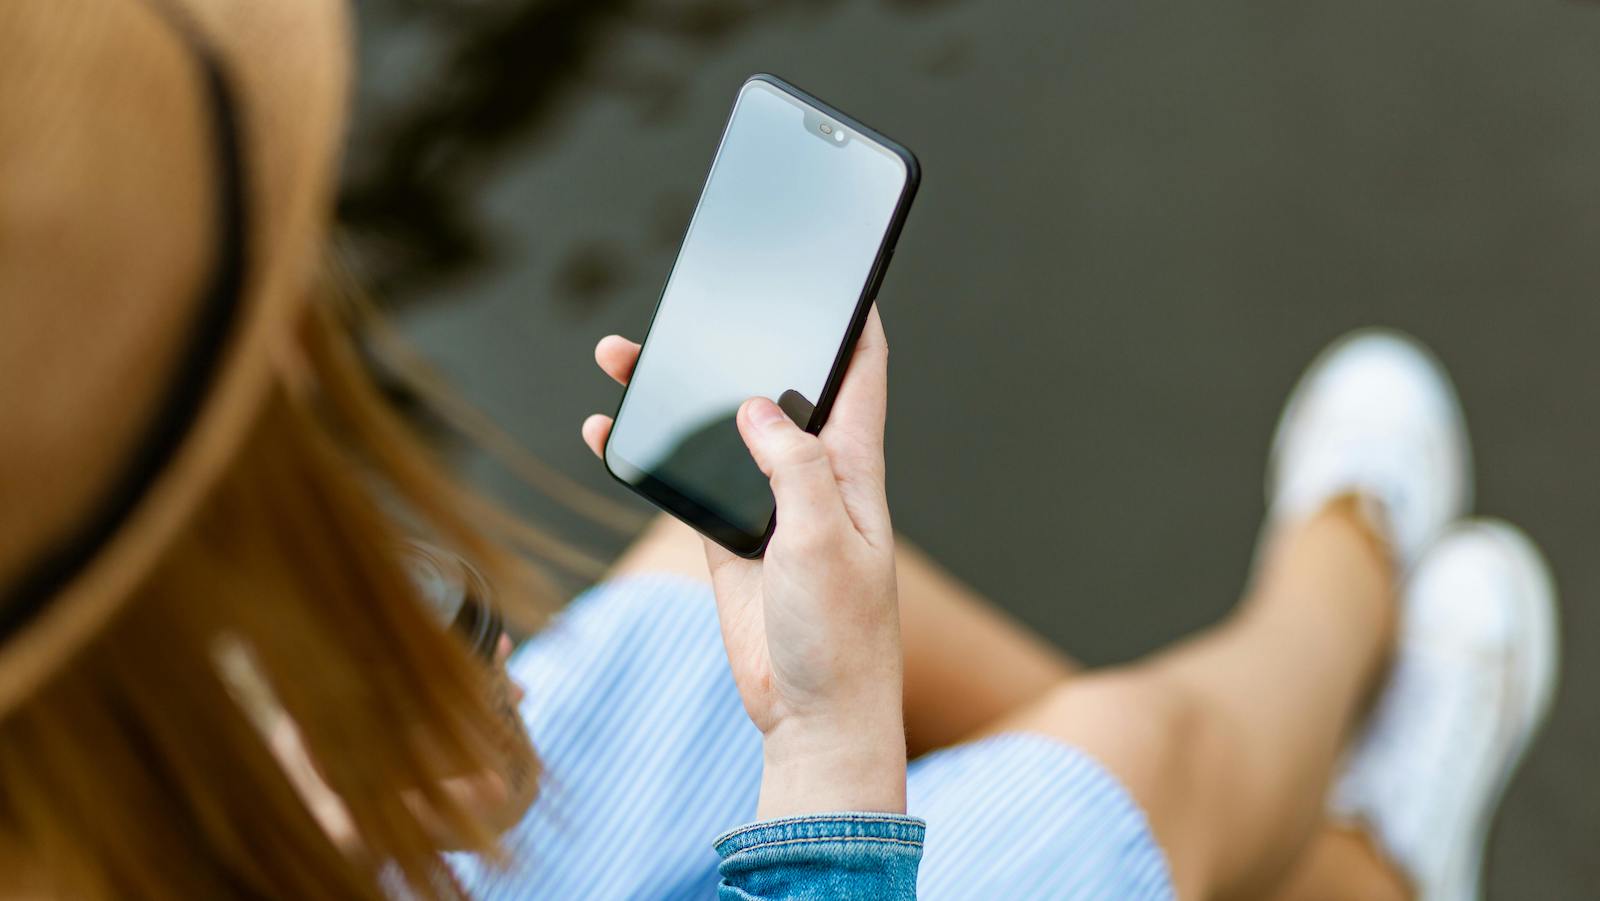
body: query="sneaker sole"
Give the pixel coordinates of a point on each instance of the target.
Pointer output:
(1538, 683)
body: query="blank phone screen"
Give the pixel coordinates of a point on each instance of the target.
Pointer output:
(771, 273)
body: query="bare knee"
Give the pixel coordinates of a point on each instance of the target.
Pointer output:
(1142, 727)
(665, 546)
(1160, 740)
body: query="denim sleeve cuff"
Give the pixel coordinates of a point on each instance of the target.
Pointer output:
(890, 828)
(828, 855)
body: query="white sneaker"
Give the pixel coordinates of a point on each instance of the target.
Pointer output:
(1374, 415)
(1473, 678)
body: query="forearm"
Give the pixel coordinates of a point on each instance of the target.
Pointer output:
(817, 767)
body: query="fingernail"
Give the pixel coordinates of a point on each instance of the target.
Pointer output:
(764, 414)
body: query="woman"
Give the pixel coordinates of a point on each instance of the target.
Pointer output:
(218, 678)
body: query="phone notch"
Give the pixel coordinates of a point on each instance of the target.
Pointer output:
(824, 129)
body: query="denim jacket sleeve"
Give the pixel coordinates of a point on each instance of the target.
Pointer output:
(830, 855)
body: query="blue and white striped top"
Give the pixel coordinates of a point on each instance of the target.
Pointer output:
(648, 756)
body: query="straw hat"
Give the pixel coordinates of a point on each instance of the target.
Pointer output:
(166, 172)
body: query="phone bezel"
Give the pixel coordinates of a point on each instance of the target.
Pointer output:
(668, 498)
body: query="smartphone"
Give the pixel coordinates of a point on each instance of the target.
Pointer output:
(783, 257)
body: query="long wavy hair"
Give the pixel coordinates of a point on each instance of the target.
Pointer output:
(274, 713)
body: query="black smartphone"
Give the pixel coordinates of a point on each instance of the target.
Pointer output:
(782, 259)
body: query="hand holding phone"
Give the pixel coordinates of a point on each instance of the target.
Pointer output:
(721, 424)
(782, 259)
(812, 629)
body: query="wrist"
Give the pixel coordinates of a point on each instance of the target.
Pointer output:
(814, 766)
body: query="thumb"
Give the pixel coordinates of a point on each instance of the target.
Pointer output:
(795, 461)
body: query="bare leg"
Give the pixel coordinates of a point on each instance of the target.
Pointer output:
(967, 664)
(1339, 865)
(1228, 740)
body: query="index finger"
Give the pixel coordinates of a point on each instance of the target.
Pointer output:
(617, 357)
